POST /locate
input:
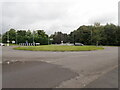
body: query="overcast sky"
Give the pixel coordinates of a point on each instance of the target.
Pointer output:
(56, 15)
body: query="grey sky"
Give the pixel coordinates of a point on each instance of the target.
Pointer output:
(56, 15)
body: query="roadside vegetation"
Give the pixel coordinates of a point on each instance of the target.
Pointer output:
(59, 48)
(106, 35)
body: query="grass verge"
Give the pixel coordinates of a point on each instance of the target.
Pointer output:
(58, 48)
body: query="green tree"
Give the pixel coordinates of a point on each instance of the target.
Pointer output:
(109, 34)
(58, 37)
(41, 37)
(9, 35)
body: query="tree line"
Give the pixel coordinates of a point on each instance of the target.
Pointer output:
(108, 34)
(25, 36)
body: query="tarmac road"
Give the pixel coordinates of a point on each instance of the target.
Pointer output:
(106, 81)
(57, 69)
(34, 75)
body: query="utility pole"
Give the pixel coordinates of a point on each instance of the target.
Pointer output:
(74, 37)
(33, 38)
(16, 36)
(97, 43)
(8, 38)
(91, 36)
(48, 39)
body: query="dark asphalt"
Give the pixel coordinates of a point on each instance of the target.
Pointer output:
(50, 69)
(109, 80)
(34, 75)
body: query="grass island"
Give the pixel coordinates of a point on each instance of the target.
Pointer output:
(58, 48)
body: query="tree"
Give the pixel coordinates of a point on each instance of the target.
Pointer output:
(9, 35)
(0, 38)
(58, 37)
(21, 36)
(118, 36)
(81, 35)
(41, 37)
(29, 36)
(109, 34)
(97, 24)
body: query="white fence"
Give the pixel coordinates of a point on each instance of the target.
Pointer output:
(29, 44)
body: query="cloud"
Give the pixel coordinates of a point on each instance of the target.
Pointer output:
(56, 15)
(28, 13)
(103, 19)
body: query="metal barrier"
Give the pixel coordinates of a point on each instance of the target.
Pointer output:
(29, 44)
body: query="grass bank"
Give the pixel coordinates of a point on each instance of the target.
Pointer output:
(58, 48)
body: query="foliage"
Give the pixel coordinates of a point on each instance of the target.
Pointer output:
(23, 36)
(58, 37)
(108, 34)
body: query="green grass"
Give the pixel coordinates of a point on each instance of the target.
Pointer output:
(58, 48)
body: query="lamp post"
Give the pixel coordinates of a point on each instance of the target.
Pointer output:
(33, 39)
(91, 36)
(16, 36)
(51, 39)
(97, 43)
(74, 38)
(8, 38)
(48, 39)
(8, 41)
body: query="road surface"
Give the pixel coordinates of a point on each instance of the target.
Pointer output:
(36, 69)
(107, 81)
